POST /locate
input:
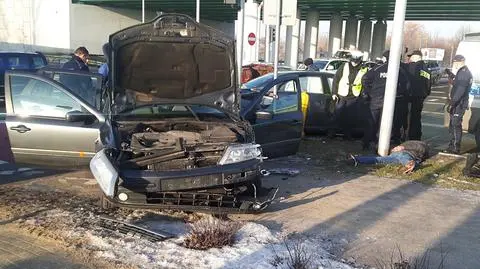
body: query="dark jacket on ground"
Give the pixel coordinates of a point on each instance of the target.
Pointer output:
(374, 83)
(460, 89)
(420, 86)
(351, 77)
(417, 149)
(76, 64)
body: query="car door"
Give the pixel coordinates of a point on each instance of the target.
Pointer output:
(47, 123)
(320, 104)
(278, 123)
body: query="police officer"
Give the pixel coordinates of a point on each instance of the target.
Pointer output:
(347, 86)
(79, 60)
(400, 116)
(373, 92)
(81, 85)
(458, 102)
(420, 88)
(103, 69)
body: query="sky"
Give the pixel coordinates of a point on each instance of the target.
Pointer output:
(443, 28)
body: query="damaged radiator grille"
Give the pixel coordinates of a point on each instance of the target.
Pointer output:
(193, 199)
(132, 230)
(180, 157)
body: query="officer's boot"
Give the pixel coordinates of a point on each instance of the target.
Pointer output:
(472, 159)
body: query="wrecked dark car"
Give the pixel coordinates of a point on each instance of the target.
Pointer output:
(175, 139)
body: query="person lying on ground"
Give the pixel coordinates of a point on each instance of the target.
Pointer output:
(409, 154)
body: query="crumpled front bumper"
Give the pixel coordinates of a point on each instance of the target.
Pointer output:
(188, 190)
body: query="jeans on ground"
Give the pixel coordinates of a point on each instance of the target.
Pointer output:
(395, 158)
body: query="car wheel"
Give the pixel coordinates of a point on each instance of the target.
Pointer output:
(105, 203)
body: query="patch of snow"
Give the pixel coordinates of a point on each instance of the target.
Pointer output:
(255, 247)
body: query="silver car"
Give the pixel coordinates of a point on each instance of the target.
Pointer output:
(166, 131)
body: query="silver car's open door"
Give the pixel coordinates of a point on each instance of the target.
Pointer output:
(50, 124)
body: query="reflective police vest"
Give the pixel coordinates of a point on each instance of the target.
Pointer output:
(305, 100)
(357, 83)
(344, 84)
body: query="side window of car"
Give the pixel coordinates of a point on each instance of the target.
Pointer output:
(334, 65)
(34, 97)
(38, 62)
(311, 85)
(286, 100)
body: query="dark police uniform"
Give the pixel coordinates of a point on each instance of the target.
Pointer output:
(420, 88)
(374, 83)
(76, 64)
(458, 104)
(400, 116)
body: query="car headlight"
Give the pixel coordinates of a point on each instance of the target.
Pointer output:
(104, 172)
(240, 153)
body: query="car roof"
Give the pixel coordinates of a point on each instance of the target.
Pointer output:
(20, 52)
(330, 59)
(301, 73)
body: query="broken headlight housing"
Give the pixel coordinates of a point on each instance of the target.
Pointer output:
(241, 153)
(104, 172)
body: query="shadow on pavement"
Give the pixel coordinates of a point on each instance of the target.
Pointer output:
(459, 255)
(42, 262)
(10, 173)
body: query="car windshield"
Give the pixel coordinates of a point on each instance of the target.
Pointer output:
(320, 64)
(170, 111)
(259, 82)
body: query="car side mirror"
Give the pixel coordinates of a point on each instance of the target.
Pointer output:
(264, 115)
(330, 67)
(77, 116)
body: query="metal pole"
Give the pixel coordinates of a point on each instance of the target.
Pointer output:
(198, 11)
(143, 11)
(267, 43)
(240, 40)
(392, 78)
(277, 42)
(257, 43)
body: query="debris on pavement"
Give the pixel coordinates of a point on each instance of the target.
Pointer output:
(133, 230)
(452, 155)
(73, 221)
(282, 171)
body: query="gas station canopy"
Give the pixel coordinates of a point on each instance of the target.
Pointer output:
(445, 10)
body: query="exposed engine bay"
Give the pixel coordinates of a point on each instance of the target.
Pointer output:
(175, 145)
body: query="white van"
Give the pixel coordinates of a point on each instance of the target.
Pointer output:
(469, 47)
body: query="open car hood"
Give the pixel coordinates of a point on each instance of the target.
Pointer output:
(173, 59)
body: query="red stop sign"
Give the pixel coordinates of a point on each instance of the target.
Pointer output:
(252, 39)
